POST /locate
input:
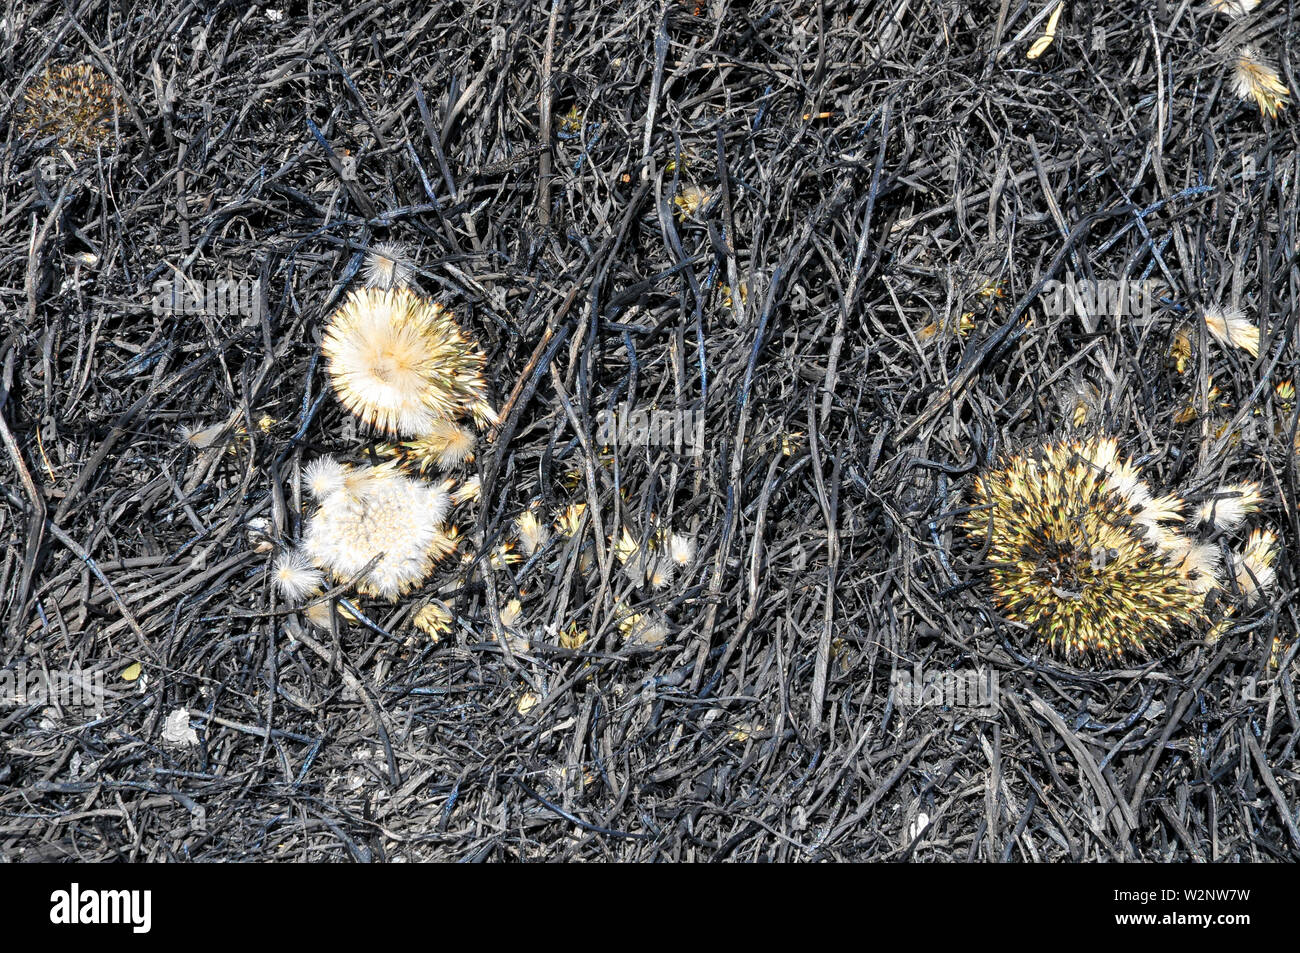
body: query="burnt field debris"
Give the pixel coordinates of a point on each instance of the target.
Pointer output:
(721, 314)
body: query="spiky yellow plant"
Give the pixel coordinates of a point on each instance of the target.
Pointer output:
(1078, 551)
(75, 104)
(433, 619)
(691, 200)
(401, 364)
(573, 636)
(1253, 77)
(568, 521)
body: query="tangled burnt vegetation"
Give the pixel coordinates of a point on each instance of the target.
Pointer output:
(821, 232)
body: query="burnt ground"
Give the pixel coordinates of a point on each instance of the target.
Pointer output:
(873, 171)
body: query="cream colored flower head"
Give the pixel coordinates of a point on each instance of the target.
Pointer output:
(400, 363)
(1234, 9)
(325, 476)
(384, 516)
(445, 445)
(681, 549)
(1254, 568)
(532, 533)
(468, 491)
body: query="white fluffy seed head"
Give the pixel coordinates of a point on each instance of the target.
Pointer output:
(681, 549)
(511, 612)
(400, 363)
(1200, 566)
(383, 516)
(1162, 509)
(1253, 566)
(469, 490)
(1233, 8)
(661, 571)
(324, 477)
(295, 577)
(203, 437)
(1230, 327)
(1230, 506)
(643, 630)
(448, 444)
(532, 534)
(388, 266)
(1253, 77)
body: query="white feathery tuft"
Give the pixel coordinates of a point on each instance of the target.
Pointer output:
(295, 576)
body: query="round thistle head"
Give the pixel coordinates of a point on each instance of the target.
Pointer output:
(400, 363)
(380, 514)
(75, 104)
(1077, 551)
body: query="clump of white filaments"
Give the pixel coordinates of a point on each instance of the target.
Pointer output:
(325, 476)
(1253, 566)
(1231, 328)
(1230, 506)
(1234, 9)
(295, 577)
(387, 267)
(445, 446)
(1253, 77)
(375, 527)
